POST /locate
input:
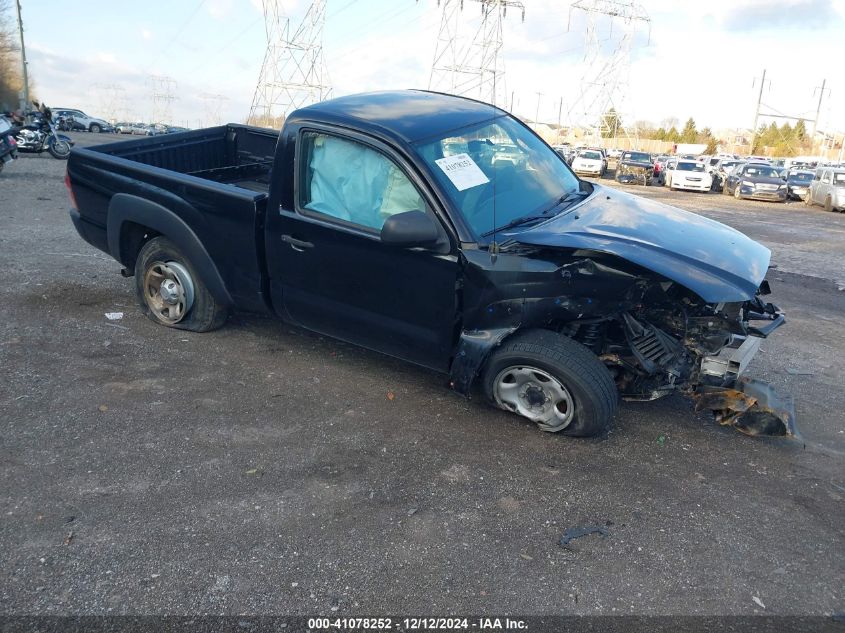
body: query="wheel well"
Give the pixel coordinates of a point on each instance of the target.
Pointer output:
(133, 236)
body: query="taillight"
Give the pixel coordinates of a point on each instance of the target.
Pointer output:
(70, 191)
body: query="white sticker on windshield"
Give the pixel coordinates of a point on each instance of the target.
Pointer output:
(462, 171)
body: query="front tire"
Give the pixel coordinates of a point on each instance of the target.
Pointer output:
(737, 193)
(95, 129)
(828, 204)
(171, 293)
(59, 149)
(552, 380)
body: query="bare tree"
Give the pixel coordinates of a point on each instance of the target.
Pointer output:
(10, 76)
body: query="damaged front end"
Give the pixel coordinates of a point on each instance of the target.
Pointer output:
(703, 351)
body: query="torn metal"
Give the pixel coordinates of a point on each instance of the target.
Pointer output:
(654, 335)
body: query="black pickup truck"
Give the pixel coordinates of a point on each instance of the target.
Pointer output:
(390, 220)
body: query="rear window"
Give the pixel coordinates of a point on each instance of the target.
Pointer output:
(802, 177)
(689, 166)
(639, 157)
(761, 171)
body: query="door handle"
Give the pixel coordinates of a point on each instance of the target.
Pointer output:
(295, 244)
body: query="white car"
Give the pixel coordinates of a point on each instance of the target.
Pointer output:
(92, 124)
(689, 174)
(588, 162)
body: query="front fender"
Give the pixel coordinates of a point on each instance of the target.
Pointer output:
(474, 348)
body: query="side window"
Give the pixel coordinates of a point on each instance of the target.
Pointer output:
(353, 183)
(826, 177)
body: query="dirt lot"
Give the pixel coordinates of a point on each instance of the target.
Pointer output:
(259, 469)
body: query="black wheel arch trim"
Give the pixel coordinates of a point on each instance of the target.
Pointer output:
(125, 208)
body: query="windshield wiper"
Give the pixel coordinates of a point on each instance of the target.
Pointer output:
(570, 197)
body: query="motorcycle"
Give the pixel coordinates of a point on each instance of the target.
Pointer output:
(41, 135)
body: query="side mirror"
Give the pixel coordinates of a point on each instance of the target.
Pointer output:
(411, 228)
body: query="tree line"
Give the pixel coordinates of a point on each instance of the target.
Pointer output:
(783, 140)
(11, 81)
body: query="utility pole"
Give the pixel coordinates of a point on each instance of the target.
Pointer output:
(818, 110)
(25, 91)
(757, 112)
(537, 114)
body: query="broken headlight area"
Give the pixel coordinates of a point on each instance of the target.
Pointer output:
(701, 350)
(627, 173)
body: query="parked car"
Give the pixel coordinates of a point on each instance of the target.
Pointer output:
(603, 153)
(798, 183)
(635, 167)
(552, 292)
(588, 162)
(721, 171)
(123, 127)
(83, 121)
(691, 175)
(828, 189)
(8, 145)
(759, 181)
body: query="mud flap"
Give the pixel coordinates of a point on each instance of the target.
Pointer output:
(751, 406)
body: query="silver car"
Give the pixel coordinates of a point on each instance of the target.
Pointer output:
(828, 189)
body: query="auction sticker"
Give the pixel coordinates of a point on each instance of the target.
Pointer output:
(462, 171)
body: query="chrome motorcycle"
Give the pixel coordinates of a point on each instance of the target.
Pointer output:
(41, 135)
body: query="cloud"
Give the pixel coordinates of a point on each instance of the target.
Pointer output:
(219, 9)
(777, 14)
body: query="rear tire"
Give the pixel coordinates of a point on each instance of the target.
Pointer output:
(590, 393)
(737, 193)
(171, 293)
(95, 129)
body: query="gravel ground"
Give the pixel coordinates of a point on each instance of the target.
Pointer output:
(261, 469)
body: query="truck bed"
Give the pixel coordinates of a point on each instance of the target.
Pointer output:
(231, 154)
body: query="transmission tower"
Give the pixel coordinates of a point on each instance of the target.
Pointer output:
(472, 67)
(607, 60)
(212, 109)
(112, 101)
(162, 91)
(294, 72)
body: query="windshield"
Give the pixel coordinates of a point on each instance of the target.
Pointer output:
(590, 155)
(481, 183)
(802, 177)
(761, 171)
(682, 166)
(639, 157)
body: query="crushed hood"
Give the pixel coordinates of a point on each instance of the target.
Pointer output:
(716, 262)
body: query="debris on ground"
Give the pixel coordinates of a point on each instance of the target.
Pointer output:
(578, 532)
(798, 372)
(68, 538)
(391, 395)
(114, 316)
(103, 408)
(758, 602)
(661, 440)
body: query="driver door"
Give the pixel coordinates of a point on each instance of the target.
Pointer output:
(330, 271)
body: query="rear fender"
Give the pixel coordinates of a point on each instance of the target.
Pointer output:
(125, 208)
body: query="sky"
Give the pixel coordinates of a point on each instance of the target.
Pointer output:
(699, 59)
